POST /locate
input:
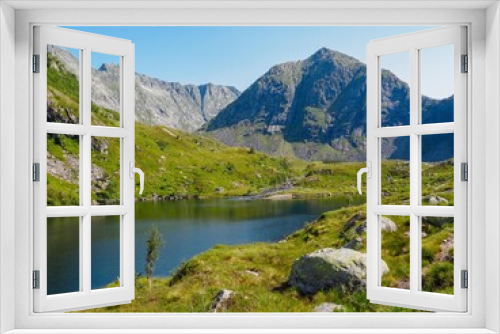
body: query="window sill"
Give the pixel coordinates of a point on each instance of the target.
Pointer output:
(254, 331)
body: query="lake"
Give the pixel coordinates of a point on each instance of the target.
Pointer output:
(189, 227)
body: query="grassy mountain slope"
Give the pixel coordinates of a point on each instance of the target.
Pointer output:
(258, 272)
(176, 164)
(193, 285)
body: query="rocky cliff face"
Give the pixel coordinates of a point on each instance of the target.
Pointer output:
(315, 109)
(158, 102)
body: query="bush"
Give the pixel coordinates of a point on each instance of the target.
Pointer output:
(439, 277)
(427, 255)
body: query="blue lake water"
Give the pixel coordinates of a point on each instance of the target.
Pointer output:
(189, 227)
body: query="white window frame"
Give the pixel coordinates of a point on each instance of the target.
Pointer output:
(86, 43)
(413, 44)
(483, 102)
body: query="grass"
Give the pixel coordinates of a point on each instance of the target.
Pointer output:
(193, 285)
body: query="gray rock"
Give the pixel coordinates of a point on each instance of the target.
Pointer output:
(219, 190)
(330, 268)
(222, 301)
(387, 225)
(158, 102)
(252, 272)
(437, 221)
(354, 244)
(435, 200)
(328, 307)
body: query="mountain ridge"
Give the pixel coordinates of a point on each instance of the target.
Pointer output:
(158, 102)
(315, 109)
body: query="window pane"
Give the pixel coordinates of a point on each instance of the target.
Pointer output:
(437, 254)
(395, 250)
(437, 84)
(105, 252)
(395, 92)
(63, 255)
(63, 86)
(105, 89)
(437, 169)
(105, 171)
(395, 170)
(63, 160)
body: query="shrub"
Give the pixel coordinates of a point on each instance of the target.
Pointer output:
(154, 245)
(439, 277)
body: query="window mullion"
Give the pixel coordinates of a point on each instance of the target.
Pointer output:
(86, 166)
(414, 170)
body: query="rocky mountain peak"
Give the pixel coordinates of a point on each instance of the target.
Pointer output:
(315, 109)
(158, 102)
(108, 67)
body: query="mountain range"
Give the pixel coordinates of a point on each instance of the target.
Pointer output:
(158, 102)
(315, 109)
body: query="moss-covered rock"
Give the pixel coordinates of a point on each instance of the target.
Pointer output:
(330, 268)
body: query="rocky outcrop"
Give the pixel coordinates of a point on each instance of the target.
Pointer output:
(437, 221)
(328, 307)
(354, 243)
(222, 301)
(67, 169)
(434, 200)
(315, 109)
(387, 224)
(330, 268)
(158, 102)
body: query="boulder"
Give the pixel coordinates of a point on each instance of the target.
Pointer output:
(353, 220)
(330, 268)
(222, 301)
(437, 221)
(435, 200)
(387, 225)
(354, 243)
(328, 307)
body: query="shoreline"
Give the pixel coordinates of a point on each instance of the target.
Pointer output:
(277, 196)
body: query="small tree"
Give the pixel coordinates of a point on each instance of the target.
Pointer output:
(154, 244)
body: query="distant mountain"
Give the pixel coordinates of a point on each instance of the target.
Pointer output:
(158, 102)
(315, 109)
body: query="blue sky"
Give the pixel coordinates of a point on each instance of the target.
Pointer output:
(237, 56)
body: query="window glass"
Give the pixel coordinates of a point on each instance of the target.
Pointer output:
(105, 171)
(63, 255)
(438, 169)
(395, 90)
(395, 262)
(437, 84)
(437, 254)
(395, 170)
(63, 171)
(106, 89)
(105, 251)
(63, 85)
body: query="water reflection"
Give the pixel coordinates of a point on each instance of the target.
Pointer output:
(188, 227)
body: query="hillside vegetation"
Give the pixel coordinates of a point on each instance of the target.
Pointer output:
(258, 273)
(176, 164)
(179, 165)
